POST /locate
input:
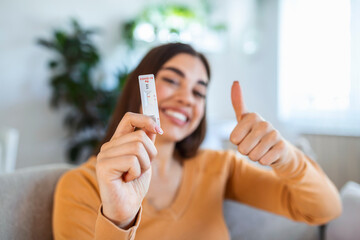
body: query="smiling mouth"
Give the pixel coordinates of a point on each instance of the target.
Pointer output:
(175, 116)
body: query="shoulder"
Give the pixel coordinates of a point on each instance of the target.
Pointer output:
(79, 182)
(76, 203)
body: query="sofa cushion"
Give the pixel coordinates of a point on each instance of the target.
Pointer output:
(247, 223)
(346, 227)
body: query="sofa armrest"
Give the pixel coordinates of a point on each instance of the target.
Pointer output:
(26, 201)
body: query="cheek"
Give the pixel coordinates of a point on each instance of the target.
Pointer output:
(200, 110)
(162, 92)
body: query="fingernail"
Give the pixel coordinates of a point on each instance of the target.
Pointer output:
(236, 82)
(159, 130)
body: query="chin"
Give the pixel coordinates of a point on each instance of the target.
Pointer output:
(174, 135)
(176, 132)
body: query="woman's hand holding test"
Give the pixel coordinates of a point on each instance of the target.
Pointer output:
(123, 168)
(253, 136)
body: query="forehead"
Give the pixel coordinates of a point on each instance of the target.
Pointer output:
(192, 66)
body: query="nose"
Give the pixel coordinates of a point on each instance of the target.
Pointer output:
(185, 96)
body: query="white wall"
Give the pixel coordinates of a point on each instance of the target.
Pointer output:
(257, 73)
(24, 88)
(24, 91)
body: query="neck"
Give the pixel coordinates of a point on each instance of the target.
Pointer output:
(165, 157)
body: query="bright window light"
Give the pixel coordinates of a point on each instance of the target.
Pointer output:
(316, 81)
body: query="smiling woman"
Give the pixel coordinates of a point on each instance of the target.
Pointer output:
(181, 87)
(156, 184)
(173, 75)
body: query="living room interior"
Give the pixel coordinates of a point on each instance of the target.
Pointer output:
(296, 61)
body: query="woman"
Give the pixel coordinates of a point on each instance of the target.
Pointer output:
(111, 196)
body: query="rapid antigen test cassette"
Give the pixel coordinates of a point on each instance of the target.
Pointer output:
(148, 97)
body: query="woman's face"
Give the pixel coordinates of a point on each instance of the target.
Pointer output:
(181, 86)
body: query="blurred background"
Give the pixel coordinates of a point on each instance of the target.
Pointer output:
(63, 64)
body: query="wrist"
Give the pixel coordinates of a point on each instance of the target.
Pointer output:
(290, 164)
(127, 224)
(123, 223)
(285, 158)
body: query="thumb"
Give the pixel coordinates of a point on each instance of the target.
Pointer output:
(151, 135)
(237, 100)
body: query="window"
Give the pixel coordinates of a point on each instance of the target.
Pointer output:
(319, 66)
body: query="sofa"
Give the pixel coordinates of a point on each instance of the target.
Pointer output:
(27, 197)
(26, 202)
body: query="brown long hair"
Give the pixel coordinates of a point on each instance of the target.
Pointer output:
(129, 100)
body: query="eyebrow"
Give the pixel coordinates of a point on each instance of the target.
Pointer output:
(181, 74)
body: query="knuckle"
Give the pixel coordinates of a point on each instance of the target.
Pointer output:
(104, 146)
(264, 161)
(233, 137)
(258, 131)
(137, 147)
(275, 134)
(261, 127)
(105, 154)
(133, 161)
(128, 115)
(146, 165)
(253, 116)
(99, 157)
(281, 145)
(253, 156)
(242, 150)
(264, 125)
(137, 170)
(249, 117)
(153, 152)
(236, 135)
(272, 136)
(99, 161)
(102, 155)
(141, 135)
(100, 166)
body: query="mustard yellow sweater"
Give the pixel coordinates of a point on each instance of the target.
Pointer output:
(298, 190)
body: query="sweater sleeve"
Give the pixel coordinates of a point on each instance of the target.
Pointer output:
(296, 188)
(77, 212)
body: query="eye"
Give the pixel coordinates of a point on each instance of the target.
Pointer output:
(169, 80)
(198, 94)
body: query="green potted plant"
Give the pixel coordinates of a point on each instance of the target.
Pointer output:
(76, 87)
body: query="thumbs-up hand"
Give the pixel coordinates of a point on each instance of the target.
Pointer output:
(123, 168)
(255, 137)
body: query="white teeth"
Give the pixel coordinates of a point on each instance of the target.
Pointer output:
(177, 115)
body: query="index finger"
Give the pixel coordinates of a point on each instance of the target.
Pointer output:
(237, 100)
(130, 121)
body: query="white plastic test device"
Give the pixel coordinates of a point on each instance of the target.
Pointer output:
(148, 97)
